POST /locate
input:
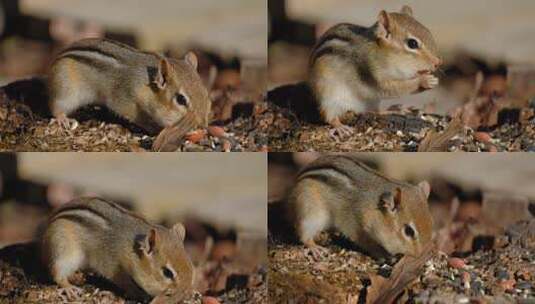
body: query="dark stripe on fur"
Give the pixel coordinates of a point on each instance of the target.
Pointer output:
(88, 49)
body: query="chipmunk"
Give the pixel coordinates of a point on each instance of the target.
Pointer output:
(139, 257)
(382, 216)
(145, 88)
(352, 67)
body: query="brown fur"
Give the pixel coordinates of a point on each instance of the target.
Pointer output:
(340, 192)
(138, 86)
(353, 67)
(101, 236)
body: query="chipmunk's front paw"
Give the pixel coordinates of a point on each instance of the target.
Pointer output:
(341, 132)
(70, 293)
(316, 251)
(428, 81)
(66, 124)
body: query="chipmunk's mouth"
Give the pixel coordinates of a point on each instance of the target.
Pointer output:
(422, 72)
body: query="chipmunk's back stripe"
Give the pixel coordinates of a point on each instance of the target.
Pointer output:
(362, 166)
(87, 61)
(93, 54)
(80, 220)
(327, 38)
(338, 40)
(329, 175)
(82, 215)
(121, 209)
(120, 44)
(328, 50)
(340, 165)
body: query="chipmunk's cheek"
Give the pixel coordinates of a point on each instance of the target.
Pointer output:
(408, 71)
(172, 117)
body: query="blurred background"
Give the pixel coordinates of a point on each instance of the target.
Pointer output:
(492, 37)
(220, 198)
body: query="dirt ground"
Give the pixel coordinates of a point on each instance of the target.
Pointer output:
(400, 130)
(483, 250)
(500, 275)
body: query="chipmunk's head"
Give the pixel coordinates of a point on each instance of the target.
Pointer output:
(402, 223)
(409, 46)
(179, 89)
(163, 267)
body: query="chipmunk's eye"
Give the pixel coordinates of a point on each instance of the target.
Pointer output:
(168, 273)
(409, 231)
(412, 43)
(180, 99)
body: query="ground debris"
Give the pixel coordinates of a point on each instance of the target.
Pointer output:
(408, 269)
(402, 130)
(439, 142)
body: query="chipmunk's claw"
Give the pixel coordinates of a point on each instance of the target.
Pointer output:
(70, 293)
(318, 252)
(66, 124)
(341, 132)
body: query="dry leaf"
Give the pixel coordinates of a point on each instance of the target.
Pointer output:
(170, 138)
(438, 142)
(383, 291)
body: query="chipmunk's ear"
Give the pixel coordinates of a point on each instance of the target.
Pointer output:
(179, 231)
(425, 188)
(192, 60)
(390, 200)
(407, 10)
(162, 76)
(148, 243)
(384, 25)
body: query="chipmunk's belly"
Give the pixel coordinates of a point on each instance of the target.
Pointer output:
(349, 95)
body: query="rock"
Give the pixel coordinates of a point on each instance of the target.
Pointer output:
(523, 285)
(502, 274)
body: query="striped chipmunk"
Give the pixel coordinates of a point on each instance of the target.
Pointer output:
(352, 67)
(146, 88)
(142, 259)
(382, 216)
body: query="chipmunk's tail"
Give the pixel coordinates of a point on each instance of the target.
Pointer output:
(31, 92)
(298, 99)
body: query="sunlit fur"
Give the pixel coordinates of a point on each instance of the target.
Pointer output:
(168, 252)
(100, 71)
(395, 52)
(337, 191)
(353, 68)
(101, 236)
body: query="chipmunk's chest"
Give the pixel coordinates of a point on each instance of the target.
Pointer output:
(341, 84)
